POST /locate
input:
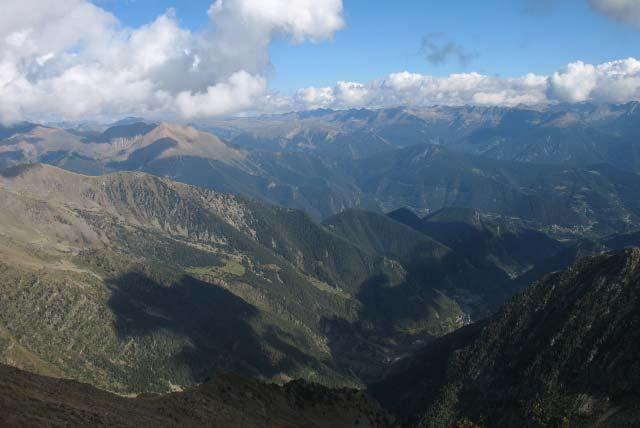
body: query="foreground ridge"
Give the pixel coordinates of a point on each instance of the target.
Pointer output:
(565, 352)
(227, 401)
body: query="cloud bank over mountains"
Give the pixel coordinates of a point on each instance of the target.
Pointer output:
(615, 82)
(71, 59)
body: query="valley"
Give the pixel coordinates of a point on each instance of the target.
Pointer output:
(319, 214)
(149, 258)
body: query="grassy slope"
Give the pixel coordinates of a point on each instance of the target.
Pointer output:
(137, 283)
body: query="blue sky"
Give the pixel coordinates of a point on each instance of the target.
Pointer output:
(171, 60)
(504, 37)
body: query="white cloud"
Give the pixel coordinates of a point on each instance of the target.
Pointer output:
(616, 81)
(315, 97)
(351, 93)
(302, 19)
(69, 58)
(575, 83)
(627, 11)
(239, 92)
(468, 88)
(405, 88)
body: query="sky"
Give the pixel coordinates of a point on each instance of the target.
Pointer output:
(75, 59)
(501, 37)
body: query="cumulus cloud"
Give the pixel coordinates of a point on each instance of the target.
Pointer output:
(626, 11)
(351, 93)
(616, 82)
(405, 88)
(313, 97)
(70, 58)
(464, 88)
(575, 83)
(239, 92)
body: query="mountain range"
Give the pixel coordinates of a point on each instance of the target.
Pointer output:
(418, 267)
(568, 170)
(563, 352)
(178, 281)
(578, 134)
(149, 283)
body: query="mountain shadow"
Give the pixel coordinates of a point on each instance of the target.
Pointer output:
(196, 328)
(141, 157)
(564, 352)
(394, 320)
(228, 400)
(125, 130)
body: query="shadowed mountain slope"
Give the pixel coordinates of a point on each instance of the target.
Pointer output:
(564, 352)
(379, 234)
(139, 283)
(506, 243)
(226, 401)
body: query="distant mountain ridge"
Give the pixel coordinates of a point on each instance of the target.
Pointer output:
(568, 170)
(578, 134)
(119, 143)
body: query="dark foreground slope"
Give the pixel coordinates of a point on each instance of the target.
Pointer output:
(28, 400)
(565, 352)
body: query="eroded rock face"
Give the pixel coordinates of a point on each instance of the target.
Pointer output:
(564, 350)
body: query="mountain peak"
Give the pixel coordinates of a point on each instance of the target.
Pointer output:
(177, 129)
(188, 141)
